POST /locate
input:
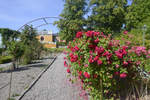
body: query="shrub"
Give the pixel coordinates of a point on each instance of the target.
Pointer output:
(27, 56)
(107, 68)
(5, 59)
(56, 50)
(61, 44)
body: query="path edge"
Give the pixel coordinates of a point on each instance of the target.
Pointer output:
(38, 77)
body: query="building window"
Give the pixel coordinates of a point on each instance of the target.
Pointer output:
(42, 38)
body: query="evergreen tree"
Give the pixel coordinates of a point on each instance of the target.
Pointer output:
(107, 15)
(32, 47)
(28, 35)
(72, 18)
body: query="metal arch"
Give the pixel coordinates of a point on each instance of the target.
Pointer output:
(42, 25)
(42, 18)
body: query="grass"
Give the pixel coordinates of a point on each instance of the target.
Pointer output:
(15, 95)
(1, 69)
(26, 87)
(11, 99)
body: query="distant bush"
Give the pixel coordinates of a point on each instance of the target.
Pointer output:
(5, 59)
(61, 44)
(27, 56)
(56, 50)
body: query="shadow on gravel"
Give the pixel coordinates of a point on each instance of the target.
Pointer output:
(26, 67)
(16, 70)
(48, 58)
(36, 65)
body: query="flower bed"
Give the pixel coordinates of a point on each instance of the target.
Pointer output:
(107, 68)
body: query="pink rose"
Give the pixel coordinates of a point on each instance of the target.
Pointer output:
(99, 62)
(117, 66)
(123, 75)
(86, 65)
(125, 32)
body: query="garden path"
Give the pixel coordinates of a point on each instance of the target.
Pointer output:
(54, 85)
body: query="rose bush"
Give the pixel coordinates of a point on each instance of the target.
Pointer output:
(105, 66)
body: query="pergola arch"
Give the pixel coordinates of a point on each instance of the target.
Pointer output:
(43, 19)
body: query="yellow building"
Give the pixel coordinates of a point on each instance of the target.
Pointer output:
(47, 38)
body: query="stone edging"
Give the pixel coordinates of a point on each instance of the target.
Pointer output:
(33, 83)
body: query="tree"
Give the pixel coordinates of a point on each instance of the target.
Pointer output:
(72, 18)
(32, 47)
(15, 49)
(8, 35)
(107, 15)
(137, 12)
(28, 35)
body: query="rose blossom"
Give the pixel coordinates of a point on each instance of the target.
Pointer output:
(123, 75)
(96, 58)
(79, 34)
(86, 74)
(117, 66)
(125, 32)
(99, 62)
(68, 71)
(96, 41)
(86, 65)
(65, 64)
(89, 33)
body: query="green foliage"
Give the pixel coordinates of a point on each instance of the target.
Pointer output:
(15, 49)
(56, 50)
(28, 35)
(27, 55)
(107, 15)
(8, 35)
(61, 44)
(32, 47)
(37, 48)
(137, 13)
(5, 59)
(132, 39)
(72, 18)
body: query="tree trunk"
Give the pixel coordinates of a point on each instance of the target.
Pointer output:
(14, 64)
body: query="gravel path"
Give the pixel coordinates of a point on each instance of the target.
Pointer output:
(5, 65)
(53, 85)
(22, 78)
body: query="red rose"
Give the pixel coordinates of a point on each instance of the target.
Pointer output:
(96, 58)
(89, 33)
(79, 34)
(86, 74)
(68, 71)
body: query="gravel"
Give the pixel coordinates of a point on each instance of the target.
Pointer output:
(53, 85)
(21, 78)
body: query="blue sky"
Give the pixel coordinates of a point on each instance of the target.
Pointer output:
(15, 13)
